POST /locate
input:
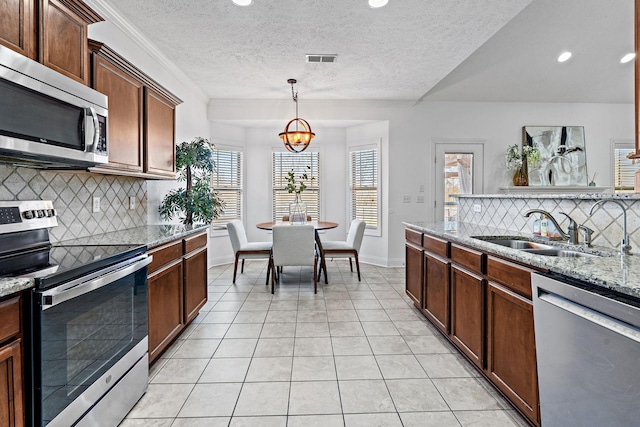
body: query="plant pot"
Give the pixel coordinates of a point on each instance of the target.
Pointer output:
(298, 211)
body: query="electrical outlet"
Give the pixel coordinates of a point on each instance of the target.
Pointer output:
(132, 202)
(406, 199)
(96, 204)
(422, 188)
(477, 208)
(420, 199)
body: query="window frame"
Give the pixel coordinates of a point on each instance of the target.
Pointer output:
(218, 227)
(365, 146)
(318, 179)
(621, 145)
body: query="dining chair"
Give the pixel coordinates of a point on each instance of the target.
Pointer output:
(293, 245)
(345, 249)
(243, 249)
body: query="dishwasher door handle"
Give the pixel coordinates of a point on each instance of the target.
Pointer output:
(61, 294)
(593, 316)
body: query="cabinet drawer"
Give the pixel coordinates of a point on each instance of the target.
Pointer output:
(436, 245)
(467, 257)
(192, 243)
(165, 254)
(513, 276)
(9, 318)
(413, 236)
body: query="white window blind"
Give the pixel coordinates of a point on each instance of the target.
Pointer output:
(283, 162)
(227, 181)
(624, 170)
(364, 186)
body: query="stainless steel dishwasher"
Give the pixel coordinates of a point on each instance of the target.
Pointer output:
(588, 354)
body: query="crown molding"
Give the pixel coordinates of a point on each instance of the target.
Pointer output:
(113, 15)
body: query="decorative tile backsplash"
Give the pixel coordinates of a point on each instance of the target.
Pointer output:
(72, 195)
(507, 212)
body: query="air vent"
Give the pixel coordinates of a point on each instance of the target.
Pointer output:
(322, 58)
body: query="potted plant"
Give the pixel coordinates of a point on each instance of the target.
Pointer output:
(197, 202)
(518, 161)
(298, 208)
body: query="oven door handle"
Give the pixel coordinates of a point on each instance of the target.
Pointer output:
(63, 293)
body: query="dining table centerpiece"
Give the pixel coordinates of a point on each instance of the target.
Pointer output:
(296, 185)
(518, 160)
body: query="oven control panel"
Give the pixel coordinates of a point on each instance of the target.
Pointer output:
(22, 215)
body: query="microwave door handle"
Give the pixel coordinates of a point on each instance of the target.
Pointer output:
(91, 139)
(56, 296)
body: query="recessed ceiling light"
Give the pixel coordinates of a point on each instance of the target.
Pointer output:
(564, 56)
(628, 57)
(377, 3)
(242, 2)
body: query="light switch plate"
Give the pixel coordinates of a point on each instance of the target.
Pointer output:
(96, 204)
(406, 199)
(132, 202)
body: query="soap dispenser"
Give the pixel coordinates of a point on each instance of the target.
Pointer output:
(544, 223)
(536, 225)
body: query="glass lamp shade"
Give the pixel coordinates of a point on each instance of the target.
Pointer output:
(297, 140)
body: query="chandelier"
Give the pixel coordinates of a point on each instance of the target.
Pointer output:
(296, 140)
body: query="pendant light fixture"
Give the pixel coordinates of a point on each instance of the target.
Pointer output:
(296, 140)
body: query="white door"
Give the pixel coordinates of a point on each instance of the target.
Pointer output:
(458, 170)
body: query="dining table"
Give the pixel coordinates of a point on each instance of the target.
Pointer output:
(317, 226)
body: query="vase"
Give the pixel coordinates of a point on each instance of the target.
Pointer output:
(520, 177)
(298, 211)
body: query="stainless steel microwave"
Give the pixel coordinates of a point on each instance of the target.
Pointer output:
(48, 120)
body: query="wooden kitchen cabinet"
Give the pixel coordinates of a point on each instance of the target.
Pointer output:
(166, 318)
(195, 275)
(413, 271)
(12, 411)
(63, 37)
(467, 308)
(18, 26)
(437, 291)
(141, 125)
(159, 131)
(177, 282)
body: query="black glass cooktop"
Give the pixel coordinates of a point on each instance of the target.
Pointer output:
(52, 265)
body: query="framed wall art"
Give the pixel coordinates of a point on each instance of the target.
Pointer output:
(563, 159)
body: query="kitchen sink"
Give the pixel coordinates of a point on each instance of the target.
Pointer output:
(536, 248)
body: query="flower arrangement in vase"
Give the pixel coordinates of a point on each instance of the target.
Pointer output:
(518, 161)
(297, 208)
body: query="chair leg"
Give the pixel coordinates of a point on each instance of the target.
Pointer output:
(350, 264)
(268, 271)
(273, 276)
(242, 268)
(235, 268)
(315, 278)
(357, 265)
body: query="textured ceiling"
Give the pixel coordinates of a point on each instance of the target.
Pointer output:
(519, 62)
(398, 52)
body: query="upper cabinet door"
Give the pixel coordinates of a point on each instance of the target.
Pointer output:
(63, 37)
(159, 134)
(17, 26)
(125, 94)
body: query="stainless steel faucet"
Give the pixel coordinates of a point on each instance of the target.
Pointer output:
(572, 231)
(625, 247)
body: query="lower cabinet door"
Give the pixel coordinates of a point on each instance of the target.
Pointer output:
(413, 271)
(467, 296)
(165, 307)
(11, 396)
(511, 349)
(436, 291)
(195, 283)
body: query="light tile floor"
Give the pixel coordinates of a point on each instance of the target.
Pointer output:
(355, 354)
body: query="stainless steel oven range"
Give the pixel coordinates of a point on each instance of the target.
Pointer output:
(87, 328)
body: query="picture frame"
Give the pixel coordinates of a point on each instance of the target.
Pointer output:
(563, 157)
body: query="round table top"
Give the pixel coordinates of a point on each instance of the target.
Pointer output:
(318, 225)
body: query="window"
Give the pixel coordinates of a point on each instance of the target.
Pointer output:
(283, 162)
(365, 193)
(624, 169)
(227, 181)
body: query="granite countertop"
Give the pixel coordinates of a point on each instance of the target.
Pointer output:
(150, 235)
(611, 270)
